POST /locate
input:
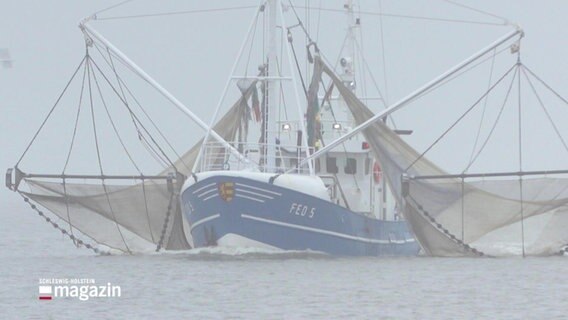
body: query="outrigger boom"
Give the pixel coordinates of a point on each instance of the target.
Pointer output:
(92, 33)
(404, 101)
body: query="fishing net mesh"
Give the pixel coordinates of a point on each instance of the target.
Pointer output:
(127, 218)
(130, 216)
(451, 217)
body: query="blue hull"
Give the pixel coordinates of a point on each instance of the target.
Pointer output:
(274, 216)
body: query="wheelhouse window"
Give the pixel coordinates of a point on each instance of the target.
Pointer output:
(331, 165)
(350, 166)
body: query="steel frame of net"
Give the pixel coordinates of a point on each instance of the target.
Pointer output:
(406, 178)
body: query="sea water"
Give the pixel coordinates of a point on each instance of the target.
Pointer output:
(250, 284)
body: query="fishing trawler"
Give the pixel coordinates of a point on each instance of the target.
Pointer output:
(320, 180)
(325, 205)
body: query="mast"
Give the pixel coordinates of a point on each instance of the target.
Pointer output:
(347, 61)
(300, 110)
(349, 47)
(272, 84)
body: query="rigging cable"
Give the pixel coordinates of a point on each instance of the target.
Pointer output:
(300, 23)
(361, 50)
(51, 111)
(504, 20)
(546, 85)
(327, 95)
(76, 121)
(382, 36)
(418, 207)
(111, 7)
(141, 137)
(371, 75)
(514, 67)
(171, 13)
(117, 79)
(523, 68)
(291, 41)
(282, 91)
(484, 144)
(521, 153)
(251, 44)
(410, 17)
(137, 119)
(70, 150)
(98, 150)
(127, 153)
(458, 75)
(113, 125)
(321, 54)
(319, 19)
(73, 238)
(484, 109)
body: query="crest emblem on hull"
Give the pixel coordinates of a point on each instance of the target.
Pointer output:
(227, 191)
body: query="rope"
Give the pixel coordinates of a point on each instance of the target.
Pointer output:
(71, 149)
(459, 74)
(67, 207)
(127, 153)
(385, 97)
(172, 13)
(76, 121)
(251, 44)
(76, 240)
(300, 23)
(546, 85)
(143, 140)
(545, 110)
(463, 209)
(319, 19)
(99, 153)
(410, 17)
(51, 111)
(114, 126)
(521, 158)
(461, 118)
(93, 121)
(111, 7)
(130, 110)
(494, 125)
(166, 223)
(484, 108)
(111, 64)
(360, 49)
(441, 228)
(308, 23)
(327, 94)
(147, 211)
(290, 40)
(504, 20)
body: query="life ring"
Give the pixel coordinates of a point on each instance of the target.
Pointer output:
(377, 172)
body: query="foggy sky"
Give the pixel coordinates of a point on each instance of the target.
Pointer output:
(191, 55)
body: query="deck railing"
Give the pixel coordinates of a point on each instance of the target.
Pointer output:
(216, 157)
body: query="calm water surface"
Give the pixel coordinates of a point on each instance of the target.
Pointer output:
(214, 284)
